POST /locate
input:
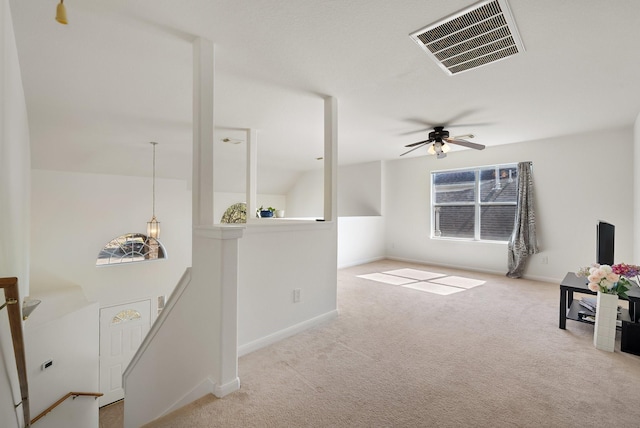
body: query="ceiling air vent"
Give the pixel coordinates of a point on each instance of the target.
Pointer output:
(478, 35)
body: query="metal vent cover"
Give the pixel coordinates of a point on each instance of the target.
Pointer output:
(483, 33)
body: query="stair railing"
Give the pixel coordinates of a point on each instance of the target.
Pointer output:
(60, 401)
(12, 298)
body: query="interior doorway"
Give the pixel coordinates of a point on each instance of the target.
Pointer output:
(122, 328)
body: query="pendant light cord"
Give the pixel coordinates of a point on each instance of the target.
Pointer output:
(153, 192)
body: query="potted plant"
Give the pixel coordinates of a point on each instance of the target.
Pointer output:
(265, 212)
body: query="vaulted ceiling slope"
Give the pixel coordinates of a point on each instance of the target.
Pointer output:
(120, 75)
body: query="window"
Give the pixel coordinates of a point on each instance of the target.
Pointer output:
(126, 315)
(236, 213)
(131, 247)
(476, 204)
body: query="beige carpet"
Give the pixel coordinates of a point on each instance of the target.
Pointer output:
(490, 356)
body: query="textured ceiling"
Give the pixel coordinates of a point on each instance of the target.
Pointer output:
(120, 75)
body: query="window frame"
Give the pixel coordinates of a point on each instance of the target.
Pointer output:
(478, 204)
(131, 248)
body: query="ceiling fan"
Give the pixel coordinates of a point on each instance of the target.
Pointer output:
(439, 138)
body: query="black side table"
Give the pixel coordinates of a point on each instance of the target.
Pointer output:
(570, 309)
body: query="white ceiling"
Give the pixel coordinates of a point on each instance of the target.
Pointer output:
(120, 75)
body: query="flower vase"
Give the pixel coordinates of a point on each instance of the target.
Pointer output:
(604, 333)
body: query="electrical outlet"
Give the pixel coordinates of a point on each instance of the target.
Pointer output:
(545, 260)
(46, 364)
(296, 295)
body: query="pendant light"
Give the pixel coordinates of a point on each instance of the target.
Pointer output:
(153, 226)
(61, 13)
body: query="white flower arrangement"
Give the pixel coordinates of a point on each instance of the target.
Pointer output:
(602, 278)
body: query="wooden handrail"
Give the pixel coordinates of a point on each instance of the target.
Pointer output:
(60, 401)
(12, 297)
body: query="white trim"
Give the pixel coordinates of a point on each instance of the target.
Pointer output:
(472, 168)
(205, 387)
(287, 332)
(276, 226)
(219, 231)
(222, 390)
(361, 262)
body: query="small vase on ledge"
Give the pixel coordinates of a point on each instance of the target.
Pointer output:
(604, 332)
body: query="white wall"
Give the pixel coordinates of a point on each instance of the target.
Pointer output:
(185, 342)
(360, 240)
(271, 267)
(361, 226)
(578, 179)
(360, 189)
(306, 197)
(73, 322)
(76, 214)
(14, 204)
(360, 205)
(359, 192)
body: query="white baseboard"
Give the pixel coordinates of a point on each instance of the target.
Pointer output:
(359, 262)
(229, 387)
(205, 387)
(283, 334)
(473, 269)
(446, 265)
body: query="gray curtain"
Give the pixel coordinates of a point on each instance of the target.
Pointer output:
(523, 240)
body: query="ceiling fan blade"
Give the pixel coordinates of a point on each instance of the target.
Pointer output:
(465, 143)
(462, 137)
(416, 147)
(417, 144)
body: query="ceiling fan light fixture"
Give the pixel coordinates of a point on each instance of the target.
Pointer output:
(438, 148)
(61, 13)
(439, 143)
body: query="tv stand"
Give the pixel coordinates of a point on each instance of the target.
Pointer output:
(570, 309)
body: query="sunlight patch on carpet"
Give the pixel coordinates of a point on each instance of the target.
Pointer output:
(430, 287)
(387, 279)
(419, 275)
(458, 281)
(430, 282)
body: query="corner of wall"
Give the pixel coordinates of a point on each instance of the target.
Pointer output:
(636, 190)
(15, 166)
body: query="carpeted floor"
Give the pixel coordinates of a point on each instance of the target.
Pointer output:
(490, 356)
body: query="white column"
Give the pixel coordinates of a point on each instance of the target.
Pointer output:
(202, 204)
(252, 173)
(330, 159)
(229, 380)
(215, 248)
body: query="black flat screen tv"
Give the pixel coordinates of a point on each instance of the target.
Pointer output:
(605, 242)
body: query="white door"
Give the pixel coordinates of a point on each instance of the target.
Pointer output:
(122, 329)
